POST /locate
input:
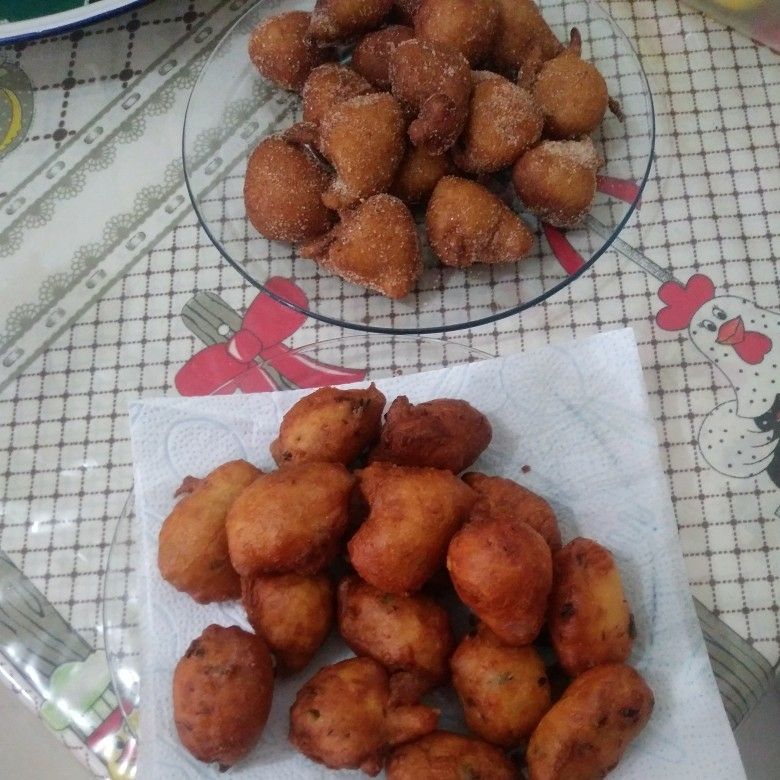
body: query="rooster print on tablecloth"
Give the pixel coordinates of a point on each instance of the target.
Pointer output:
(740, 437)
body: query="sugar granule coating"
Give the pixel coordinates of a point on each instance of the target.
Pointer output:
(467, 26)
(418, 174)
(327, 86)
(279, 49)
(521, 28)
(338, 20)
(371, 57)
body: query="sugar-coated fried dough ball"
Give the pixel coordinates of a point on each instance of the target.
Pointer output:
(504, 691)
(327, 86)
(330, 425)
(279, 49)
(414, 513)
(363, 138)
(409, 635)
(406, 9)
(521, 27)
(418, 174)
(193, 548)
(557, 180)
(468, 224)
(375, 245)
(502, 571)
(339, 20)
(283, 192)
(290, 520)
(446, 433)
(371, 57)
(434, 84)
(571, 93)
(589, 618)
(292, 612)
(222, 691)
(343, 717)
(467, 26)
(443, 755)
(502, 498)
(503, 122)
(588, 730)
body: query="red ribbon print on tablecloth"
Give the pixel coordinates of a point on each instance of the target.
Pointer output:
(249, 360)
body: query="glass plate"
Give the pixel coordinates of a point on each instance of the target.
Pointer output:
(232, 108)
(388, 357)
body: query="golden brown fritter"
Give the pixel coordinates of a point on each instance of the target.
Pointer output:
(445, 433)
(443, 755)
(371, 57)
(292, 612)
(557, 180)
(222, 690)
(571, 93)
(414, 513)
(467, 26)
(375, 245)
(290, 520)
(363, 138)
(343, 717)
(504, 691)
(193, 550)
(283, 192)
(339, 20)
(330, 425)
(434, 84)
(521, 27)
(588, 730)
(502, 571)
(468, 224)
(279, 49)
(405, 10)
(504, 121)
(418, 174)
(589, 618)
(409, 635)
(502, 498)
(327, 86)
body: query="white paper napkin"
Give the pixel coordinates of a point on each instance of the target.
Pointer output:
(577, 415)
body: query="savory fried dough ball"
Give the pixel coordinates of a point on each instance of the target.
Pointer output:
(363, 138)
(502, 571)
(467, 26)
(468, 224)
(587, 731)
(521, 27)
(503, 122)
(292, 612)
(193, 549)
(446, 433)
(374, 245)
(435, 85)
(343, 717)
(418, 174)
(414, 513)
(283, 192)
(504, 691)
(279, 49)
(327, 86)
(222, 691)
(502, 498)
(371, 57)
(330, 425)
(589, 618)
(443, 755)
(409, 635)
(571, 93)
(339, 20)
(557, 180)
(290, 520)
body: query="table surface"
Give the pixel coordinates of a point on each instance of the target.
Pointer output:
(95, 286)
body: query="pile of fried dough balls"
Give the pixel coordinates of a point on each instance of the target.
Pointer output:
(368, 525)
(438, 96)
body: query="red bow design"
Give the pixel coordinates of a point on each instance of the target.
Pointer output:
(232, 365)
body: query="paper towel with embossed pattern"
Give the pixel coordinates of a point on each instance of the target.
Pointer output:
(578, 416)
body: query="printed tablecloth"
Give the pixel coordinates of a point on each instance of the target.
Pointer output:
(105, 269)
